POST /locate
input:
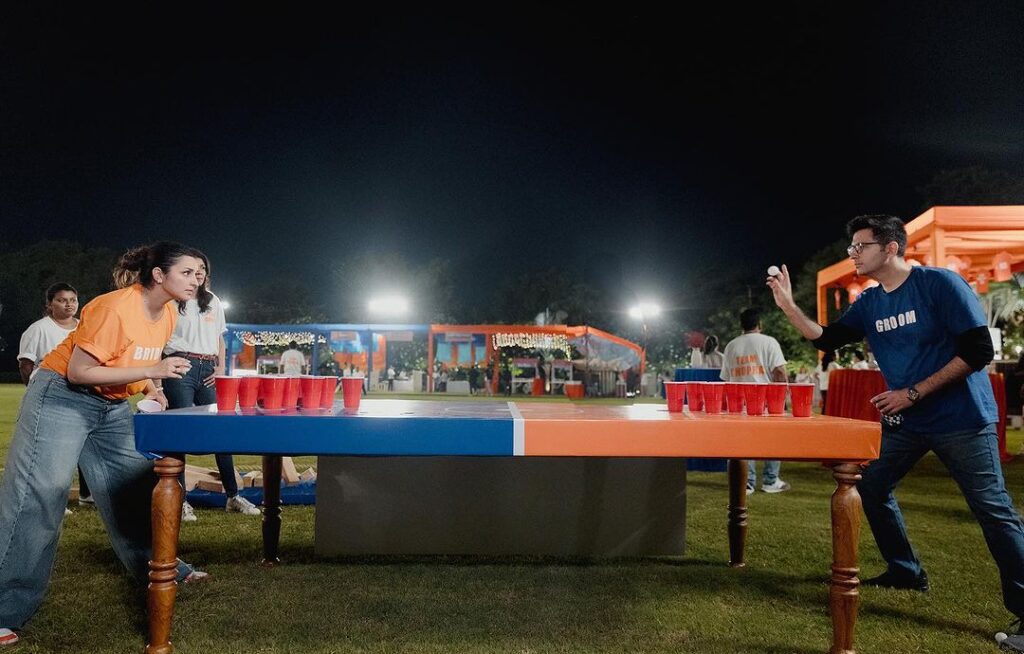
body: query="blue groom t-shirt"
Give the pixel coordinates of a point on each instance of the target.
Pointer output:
(912, 332)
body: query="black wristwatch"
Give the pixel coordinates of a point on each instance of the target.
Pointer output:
(913, 394)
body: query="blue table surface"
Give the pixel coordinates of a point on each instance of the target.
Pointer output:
(380, 427)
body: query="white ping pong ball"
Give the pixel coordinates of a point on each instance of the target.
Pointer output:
(773, 271)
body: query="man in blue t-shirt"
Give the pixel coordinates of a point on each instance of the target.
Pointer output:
(931, 341)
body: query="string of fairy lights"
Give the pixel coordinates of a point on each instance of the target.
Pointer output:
(280, 339)
(531, 341)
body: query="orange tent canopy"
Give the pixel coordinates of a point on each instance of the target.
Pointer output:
(977, 233)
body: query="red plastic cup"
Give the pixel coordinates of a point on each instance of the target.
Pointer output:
(310, 389)
(695, 396)
(734, 396)
(352, 391)
(248, 392)
(291, 393)
(227, 392)
(755, 397)
(327, 389)
(714, 393)
(776, 398)
(674, 395)
(802, 395)
(273, 392)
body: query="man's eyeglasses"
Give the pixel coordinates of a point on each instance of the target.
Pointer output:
(857, 248)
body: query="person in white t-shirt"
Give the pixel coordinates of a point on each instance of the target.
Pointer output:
(859, 362)
(755, 357)
(199, 337)
(46, 333)
(42, 337)
(293, 362)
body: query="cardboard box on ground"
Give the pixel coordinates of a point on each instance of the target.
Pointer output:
(209, 480)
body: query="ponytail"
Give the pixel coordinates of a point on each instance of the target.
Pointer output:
(137, 264)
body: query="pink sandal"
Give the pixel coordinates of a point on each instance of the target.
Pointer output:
(196, 576)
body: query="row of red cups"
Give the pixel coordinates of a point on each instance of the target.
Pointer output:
(755, 399)
(282, 392)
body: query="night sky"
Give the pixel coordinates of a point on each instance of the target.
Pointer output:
(658, 145)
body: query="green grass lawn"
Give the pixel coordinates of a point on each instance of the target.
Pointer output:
(779, 603)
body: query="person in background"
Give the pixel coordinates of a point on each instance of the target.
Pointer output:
(827, 364)
(711, 357)
(199, 338)
(803, 376)
(75, 410)
(39, 339)
(755, 357)
(293, 362)
(859, 362)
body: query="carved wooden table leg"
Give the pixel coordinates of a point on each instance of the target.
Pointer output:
(737, 511)
(163, 569)
(844, 595)
(272, 509)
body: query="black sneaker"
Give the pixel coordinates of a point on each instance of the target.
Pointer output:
(1012, 641)
(889, 580)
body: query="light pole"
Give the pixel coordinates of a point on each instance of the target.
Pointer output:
(644, 311)
(388, 306)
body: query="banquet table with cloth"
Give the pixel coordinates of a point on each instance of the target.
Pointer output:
(698, 374)
(849, 392)
(506, 429)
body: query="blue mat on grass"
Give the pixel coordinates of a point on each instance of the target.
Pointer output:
(303, 492)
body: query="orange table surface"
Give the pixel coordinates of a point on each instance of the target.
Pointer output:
(650, 430)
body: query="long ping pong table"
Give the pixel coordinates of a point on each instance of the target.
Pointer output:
(505, 429)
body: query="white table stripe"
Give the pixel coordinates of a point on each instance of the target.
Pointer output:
(518, 430)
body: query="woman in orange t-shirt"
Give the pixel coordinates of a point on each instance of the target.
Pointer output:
(75, 410)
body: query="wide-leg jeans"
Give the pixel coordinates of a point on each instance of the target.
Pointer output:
(58, 427)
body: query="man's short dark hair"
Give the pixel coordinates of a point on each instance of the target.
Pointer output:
(885, 229)
(52, 291)
(292, 345)
(750, 319)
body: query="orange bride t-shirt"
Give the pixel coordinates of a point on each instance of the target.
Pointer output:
(116, 331)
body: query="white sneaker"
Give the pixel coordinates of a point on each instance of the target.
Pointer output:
(187, 514)
(239, 504)
(778, 487)
(67, 512)
(750, 490)
(7, 637)
(86, 501)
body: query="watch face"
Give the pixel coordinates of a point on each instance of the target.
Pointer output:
(913, 394)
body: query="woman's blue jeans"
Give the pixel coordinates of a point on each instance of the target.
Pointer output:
(191, 391)
(58, 427)
(972, 458)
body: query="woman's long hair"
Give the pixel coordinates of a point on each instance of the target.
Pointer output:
(710, 344)
(203, 294)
